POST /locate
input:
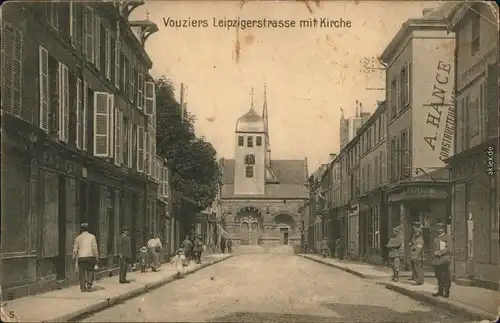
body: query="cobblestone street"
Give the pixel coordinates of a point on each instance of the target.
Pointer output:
(271, 288)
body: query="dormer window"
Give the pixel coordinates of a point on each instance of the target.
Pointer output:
(259, 141)
(241, 141)
(249, 165)
(250, 141)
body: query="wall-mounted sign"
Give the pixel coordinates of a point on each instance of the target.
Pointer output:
(420, 191)
(53, 160)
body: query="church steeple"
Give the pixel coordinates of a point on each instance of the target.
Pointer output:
(264, 109)
(266, 127)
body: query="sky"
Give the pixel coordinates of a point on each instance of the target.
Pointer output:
(311, 72)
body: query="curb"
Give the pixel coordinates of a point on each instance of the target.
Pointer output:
(347, 270)
(459, 309)
(94, 308)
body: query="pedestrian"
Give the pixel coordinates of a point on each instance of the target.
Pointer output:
(154, 248)
(143, 257)
(222, 244)
(197, 249)
(394, 246)
(229, 245)
(331, 248)
(180, 262)
(414, 227)
(339, 245)
(186, 246)
(125, 253)
(86, 257)
(324, 247)
(442, 260)
(417, 257)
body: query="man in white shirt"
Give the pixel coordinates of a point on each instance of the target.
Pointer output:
(86, 256)
(154, 247)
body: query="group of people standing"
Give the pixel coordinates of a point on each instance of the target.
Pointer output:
(440, 261)
(226, 244)
(193, 248)
(332, 248)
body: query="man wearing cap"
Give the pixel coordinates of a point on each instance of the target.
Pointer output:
(125, 252)
(441, 261)
(86, 256)
(417, 257)
(414, 227)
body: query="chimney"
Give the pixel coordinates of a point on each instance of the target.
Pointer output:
(357, 110)
(360, 108)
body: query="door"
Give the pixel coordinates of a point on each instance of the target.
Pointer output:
(255, 233)
(61, 257)
(244, 233)
(285, 238)
(469, 216)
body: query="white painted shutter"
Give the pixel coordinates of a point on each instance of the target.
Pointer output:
(140, 91)
(85, 108)
(108, 54)
(101, 124)
(160, 179)
(150, 96)
(7, 67)
(117, 64)
(140, 148)
(72, 24)
(118, 127)
(17, 77)
(133, 80)
(147, 149)
(130, 144)
(89, 34)
(79, 113)
(97, 38)
(63, 85)
(111, 115)
(44, 88)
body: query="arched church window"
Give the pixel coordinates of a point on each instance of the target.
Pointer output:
(241, 141)
(259, 141)
(250, 141)
(249, 159)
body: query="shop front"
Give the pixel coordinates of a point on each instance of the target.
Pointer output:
(475, 219)
(352, 246)
(426, 203)
(373, 227)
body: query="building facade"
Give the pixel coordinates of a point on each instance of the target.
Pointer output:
(261, 197)
(373, 234)
(78, 137)
(419, 96)
(474, 164)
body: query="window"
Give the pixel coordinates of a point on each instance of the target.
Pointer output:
(249, 159)
(405, 154)
(126, 141)
(249, 165)
(134, 142)
(79, 113)
(102, 129)
(140, 91)
(89, 32)
(241, 141)
(85, 114)
(250, 141)
(119, 136)
(52, 14)
(259, 141)
(404, 90)
(63, 102)
(97, 39)
(12, 68)
(117, 64)
(72, 24)
(150, 102)
(475, 33)
(394, 98)
(147, 139)
(376, 173)
(394, 158)
(140, 148)
(107, 44)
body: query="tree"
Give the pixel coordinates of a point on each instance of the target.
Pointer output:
(192, 160)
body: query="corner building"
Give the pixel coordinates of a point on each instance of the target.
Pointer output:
(261, 198)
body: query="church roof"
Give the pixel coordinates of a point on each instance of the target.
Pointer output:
(250, 122)
(290, 174)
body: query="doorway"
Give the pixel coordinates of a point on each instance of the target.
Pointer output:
(285, 238)
(61, 257)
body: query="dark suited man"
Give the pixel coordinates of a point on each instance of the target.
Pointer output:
(417, 257)
(125, 251)
(441, 261)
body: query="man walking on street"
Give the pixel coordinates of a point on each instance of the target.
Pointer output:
(197, 250)
(187, 246)
(441, 261)
(416, 257)
(125, 252)
(86, 256)
(222, 244)
(229, 244)
(414, 227)
(154, 248)
(394, 246)
(324, 247)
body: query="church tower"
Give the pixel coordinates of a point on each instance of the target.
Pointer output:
(250, 154)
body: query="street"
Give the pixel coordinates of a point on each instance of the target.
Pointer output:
(271, 288)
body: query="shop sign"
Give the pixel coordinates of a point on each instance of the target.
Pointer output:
(415, 191)
(55, 161)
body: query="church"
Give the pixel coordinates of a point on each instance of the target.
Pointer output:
(260, 196)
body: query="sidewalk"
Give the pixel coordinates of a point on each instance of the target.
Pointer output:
(466, 301)
(68, 304)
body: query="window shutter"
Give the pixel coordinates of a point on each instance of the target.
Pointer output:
(161, 186)
(72, 24)
(140, 149)
(17, 83)
(89, 33)
(118, 127)
(63, 85)
(147, 152)
(150, 101)
(101, 124)
(97, 38)
(133, 80)
(165, 189)
(408, 82)
(108, 54)
(44, 88)
(8, 67)
(85, 110)
(130, 145)
(117, 64)
(79, 113)
(111, 116)
(140, 89)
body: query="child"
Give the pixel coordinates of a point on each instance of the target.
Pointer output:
(394, 253)
(180, 261)
(143, 258)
